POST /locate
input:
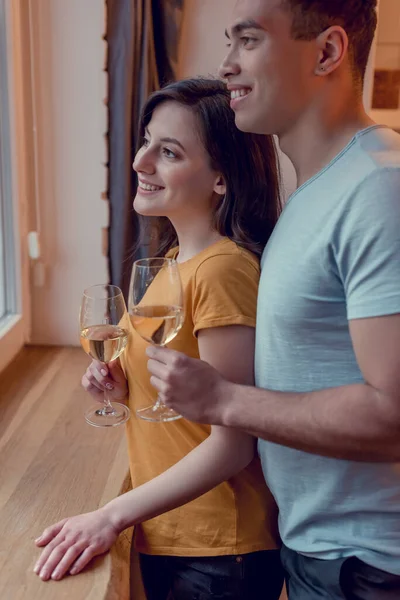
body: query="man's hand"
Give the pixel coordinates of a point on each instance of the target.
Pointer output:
(189, 386)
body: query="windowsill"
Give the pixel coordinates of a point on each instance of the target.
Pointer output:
(7, 323)
(12, 338)
(55, 466)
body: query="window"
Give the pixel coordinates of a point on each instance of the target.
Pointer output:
(2, 262)
(14, 272)
(8, 303)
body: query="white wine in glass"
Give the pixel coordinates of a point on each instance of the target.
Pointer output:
(104, 338)
(157, 314)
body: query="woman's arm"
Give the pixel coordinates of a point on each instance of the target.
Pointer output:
(224, 453)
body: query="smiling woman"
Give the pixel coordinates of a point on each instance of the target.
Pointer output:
(218, 189)
(191, 149)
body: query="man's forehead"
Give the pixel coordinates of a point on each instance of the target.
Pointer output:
(257, 7)
(258, 12)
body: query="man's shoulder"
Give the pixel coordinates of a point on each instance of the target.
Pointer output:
(380, 146)
(370, 173)
(375, 150)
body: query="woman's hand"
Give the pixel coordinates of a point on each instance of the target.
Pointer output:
(72, 543)
(100, 378)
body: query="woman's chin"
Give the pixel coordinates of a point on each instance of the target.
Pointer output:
(147, 211)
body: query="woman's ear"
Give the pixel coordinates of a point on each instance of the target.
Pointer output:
(220, 186)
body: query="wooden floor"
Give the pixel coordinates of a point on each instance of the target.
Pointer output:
(52, 464)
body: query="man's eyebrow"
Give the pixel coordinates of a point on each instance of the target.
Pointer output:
(242, 26)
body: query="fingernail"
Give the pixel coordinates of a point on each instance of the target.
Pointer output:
(55, 575)
(38, 539)
(104, 372)
(73, 571)
(36, 569)
(43, 574)
(149, 350)
(109, 386)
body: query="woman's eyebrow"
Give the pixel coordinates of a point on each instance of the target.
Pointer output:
(170, 140)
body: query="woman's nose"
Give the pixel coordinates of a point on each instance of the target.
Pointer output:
(143, 162)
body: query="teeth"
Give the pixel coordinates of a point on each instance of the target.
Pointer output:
(239, 93)
(149, 188)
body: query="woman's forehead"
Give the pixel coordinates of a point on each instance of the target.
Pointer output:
(173, 120)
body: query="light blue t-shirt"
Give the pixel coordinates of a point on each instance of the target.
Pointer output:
(333, 257)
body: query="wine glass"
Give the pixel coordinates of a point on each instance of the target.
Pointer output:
(104, 335)
(157, 314)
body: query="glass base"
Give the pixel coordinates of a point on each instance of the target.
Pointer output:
(98, 417)
(158, 413)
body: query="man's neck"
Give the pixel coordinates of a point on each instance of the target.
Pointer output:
(319, 136)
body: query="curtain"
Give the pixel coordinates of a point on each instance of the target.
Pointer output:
(142, 38)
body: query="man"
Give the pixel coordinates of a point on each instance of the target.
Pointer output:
(327, 403)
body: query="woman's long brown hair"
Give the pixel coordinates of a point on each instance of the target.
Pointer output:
(248, 212)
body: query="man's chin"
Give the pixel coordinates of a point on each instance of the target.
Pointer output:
(248, 124)
(245, 123)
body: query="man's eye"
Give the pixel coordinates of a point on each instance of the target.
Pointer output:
(246, 39)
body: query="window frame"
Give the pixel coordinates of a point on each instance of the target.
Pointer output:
(15, 325)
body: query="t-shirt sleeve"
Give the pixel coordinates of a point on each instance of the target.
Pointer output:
(368, 247)
(225, 292)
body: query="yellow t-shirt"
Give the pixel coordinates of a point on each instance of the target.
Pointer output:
(238, 516)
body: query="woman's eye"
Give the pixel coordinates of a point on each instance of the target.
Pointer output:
(168, 153)
(145, 142)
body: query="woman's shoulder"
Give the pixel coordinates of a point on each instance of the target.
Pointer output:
(226, 254)
(223, 252)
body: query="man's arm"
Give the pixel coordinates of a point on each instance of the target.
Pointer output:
(354, 422)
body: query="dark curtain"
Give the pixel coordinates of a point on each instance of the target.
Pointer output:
(142, 37)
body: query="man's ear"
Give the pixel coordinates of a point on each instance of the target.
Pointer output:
(333, 45)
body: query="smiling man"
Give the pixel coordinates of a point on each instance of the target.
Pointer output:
(327, 403)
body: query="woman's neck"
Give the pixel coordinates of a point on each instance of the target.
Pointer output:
(194, 237)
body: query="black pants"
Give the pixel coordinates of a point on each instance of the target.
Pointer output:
(341, 579)
(246, 577)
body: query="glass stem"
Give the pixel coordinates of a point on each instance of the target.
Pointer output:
(158, 404)
(108, 409)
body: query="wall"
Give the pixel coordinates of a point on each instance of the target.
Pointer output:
(69, 91)
(386, 86)
(388, 42)
(203, 48)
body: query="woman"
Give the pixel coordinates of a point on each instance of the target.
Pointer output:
(206, 525)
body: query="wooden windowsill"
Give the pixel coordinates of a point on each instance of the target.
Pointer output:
(53, 465)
